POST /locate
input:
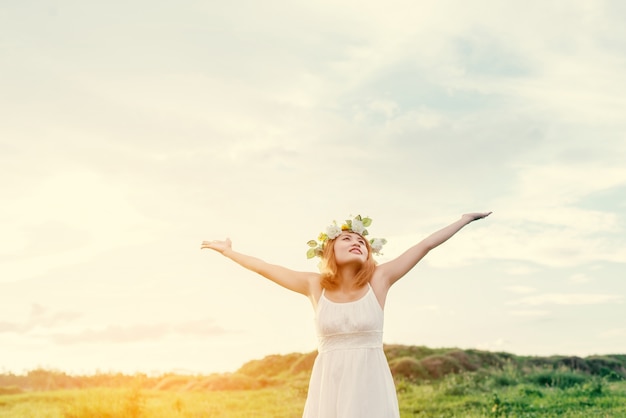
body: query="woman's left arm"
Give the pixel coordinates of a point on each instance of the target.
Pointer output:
(393, 270)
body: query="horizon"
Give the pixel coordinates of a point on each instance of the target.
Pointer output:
(133, 132)
(154, 374)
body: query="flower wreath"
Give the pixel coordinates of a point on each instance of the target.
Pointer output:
(357, 225)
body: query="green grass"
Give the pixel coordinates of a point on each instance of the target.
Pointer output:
(467, 396)
(434, 383)
(130, 403)
(470, 396)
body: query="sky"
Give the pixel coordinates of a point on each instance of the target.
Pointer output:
(133, 131)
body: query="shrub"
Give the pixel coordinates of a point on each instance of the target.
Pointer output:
(594, 387)
(304, 363)
(408, 368)
(571, 362)
(440, 365)
(465, 360)
(269, 366)
(228, 381)
(10, 390)
(606, 366)
(530, 391)
(558, 379)
(487, 359)
(173, 382)
(394, 351)
(460, 384)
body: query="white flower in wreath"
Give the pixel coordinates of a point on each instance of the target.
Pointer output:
(357, 226)
(377, 244)
(333, 231)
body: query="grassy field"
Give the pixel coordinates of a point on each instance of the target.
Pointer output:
(131, 403)
(430, 383)
(446, 399)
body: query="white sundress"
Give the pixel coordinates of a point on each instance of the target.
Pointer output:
(351, 376)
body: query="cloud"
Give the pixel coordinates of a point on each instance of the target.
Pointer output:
(495, 345)
(144, 332)
(43, 321)
(40, 318)
(48, 237)
(431, 307)
(520, 270)
(579, 278)
(614, 333)
(520, 289)
(567, 299)
(530, 313)
(541, 220)
(85, 214)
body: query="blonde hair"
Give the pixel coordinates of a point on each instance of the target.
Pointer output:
(328, 267)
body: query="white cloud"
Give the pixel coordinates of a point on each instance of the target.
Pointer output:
(69, 218)
(520, 270)
(40, 318)
(614, 333)
(521, 289)
(539, 221)
(551, 186)
(567, 299)
(530, 313)
(495, 345)
(434, 308)
(579, 278)
(118, 334)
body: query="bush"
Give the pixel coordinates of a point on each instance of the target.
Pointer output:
(173, 382)
(304, 363)
(606, 366)
(571, 362)
(594, 387)
(440, 365)
(487, 359)
(227, 381)
(269, 366)
(10, 390)
(558, 379)
(395, 351)
(527, 391)
(408, 368)
(461, 384)
(465, 360)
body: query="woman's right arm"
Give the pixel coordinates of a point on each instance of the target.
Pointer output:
(297, 281)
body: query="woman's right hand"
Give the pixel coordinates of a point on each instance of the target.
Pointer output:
(219, 246)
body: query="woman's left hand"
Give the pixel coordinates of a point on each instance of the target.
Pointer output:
(475, 216)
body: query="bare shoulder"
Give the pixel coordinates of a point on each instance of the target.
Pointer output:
(380, 286)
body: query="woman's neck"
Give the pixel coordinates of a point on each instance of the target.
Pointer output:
(345, 278)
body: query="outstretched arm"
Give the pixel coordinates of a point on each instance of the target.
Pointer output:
(296, 281)
(393, 270)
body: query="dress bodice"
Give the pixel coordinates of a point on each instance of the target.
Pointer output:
(349, 325)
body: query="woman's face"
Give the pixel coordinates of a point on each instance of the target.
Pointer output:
(350, 247)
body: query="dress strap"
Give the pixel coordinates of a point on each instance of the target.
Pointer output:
(322, 297)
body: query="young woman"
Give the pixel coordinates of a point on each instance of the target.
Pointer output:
(350, 376)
